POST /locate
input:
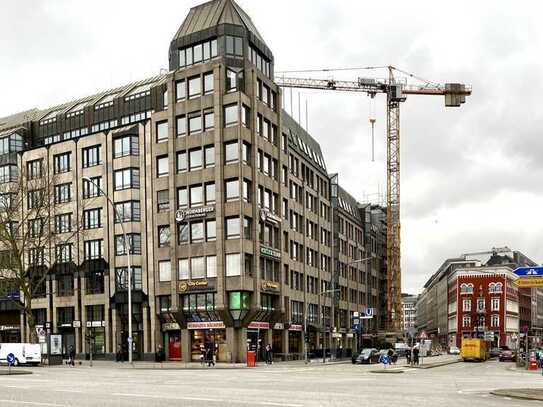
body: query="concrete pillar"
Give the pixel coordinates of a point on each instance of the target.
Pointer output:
(285, 349)
(78, 314)
(113, 331)
(146, 334)
(185, 346)
(24, 331)
(231, 343)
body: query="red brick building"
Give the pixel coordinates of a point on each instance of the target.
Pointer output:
(483, 299)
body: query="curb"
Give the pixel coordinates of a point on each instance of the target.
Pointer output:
(431, 366)
(14, 372)
(518, 394)
(388, 371)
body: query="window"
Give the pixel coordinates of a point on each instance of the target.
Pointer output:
(129, 211)
(63, 223)
(181, 90)
(165, 99)
(161, 131)
(211, 230)
(164, 270)
(231, 190)
(183, 269)
(247, 190)
(8, 173)
(245, 116)
(466, 288)
(466, 305)
(195, 159)
(92, 156)
(495, 304)
(164, 236)
(127, 178)
(183, 233)
(93, 249)
(480, 304)
(162, 164)
(247, 228)
(163, 200)
(181, 161)
(92, 218)
(246, 153)
(195, 124)
(208, 83)
(211, 266)
(231, 81)
(209, 120)
(61, 163)
(181, 126)
(495, 321)
(121, 278)
(233, 265)
(34, 168)
(63, 252)
(210, 193)
(196, 195)
(182, 198)
(134, 243)
(36, 227)
(232, 228)
(197, 267)
(231, 152)
(195, 87)
(209, 156)
(230, 115)
(63, 193)
(127, 145)
(35, 198)
(196, 232)
(197, 53)
(234, 45)
(92, 188)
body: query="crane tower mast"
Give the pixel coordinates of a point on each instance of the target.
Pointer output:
(395, 90)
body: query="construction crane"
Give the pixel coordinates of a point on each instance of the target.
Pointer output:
(396, 90)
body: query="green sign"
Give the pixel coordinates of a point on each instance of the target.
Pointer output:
(269, 252)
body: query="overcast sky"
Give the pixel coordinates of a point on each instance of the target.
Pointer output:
(471, 176)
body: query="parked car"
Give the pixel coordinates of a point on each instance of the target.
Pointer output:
(25, 353)
(454, 350)
(368, 356)
(507, 354)
(495, 352)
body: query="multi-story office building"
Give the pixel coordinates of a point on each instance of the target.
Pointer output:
(409, 311)
(235, 232)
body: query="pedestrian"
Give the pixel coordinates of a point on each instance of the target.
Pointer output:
(268, 354)
(408, 355)
(416, 355)
(203, 355)
(210, 359)
(71, 356)
(390, 355)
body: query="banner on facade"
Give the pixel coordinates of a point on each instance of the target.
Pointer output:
(294, 327)
(206, 325)
(259, 325)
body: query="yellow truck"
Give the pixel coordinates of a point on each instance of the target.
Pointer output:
(474, 349)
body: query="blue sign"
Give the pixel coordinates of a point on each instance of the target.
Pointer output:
(529, 271)
(11, 359)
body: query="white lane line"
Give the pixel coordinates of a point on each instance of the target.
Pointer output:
(211, 400)
(70, 391)
(33, 403)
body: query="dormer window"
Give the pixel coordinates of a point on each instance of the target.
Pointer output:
(234, 46)
(195, 54)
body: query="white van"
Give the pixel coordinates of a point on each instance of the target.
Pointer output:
(25, 353)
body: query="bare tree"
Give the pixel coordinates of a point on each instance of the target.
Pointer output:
(35, 237)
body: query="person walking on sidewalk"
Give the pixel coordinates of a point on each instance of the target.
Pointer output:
(71, 356)
(269, 354)
(416, 355)
(210, 359)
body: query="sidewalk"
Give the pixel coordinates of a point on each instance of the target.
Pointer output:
(436, 361)
(523, 394)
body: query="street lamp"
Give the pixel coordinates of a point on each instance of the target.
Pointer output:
(129, 272)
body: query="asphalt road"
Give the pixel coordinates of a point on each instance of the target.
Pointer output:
(459, 384)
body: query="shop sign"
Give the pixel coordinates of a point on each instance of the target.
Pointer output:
(171, 326)
(350, 335)
(270, 286)
(182, 215)
(294, 327)
(8, 328)
(206, 325)
(336, 335)
(269, 252)
(267, 216)
(192, 285)
(259, 325)
(279, 326)
(76, 324)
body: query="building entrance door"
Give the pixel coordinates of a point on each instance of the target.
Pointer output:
(174, 346)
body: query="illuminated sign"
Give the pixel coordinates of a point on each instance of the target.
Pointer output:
(192, 285)
(185, 214)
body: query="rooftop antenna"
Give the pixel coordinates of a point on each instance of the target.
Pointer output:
(372, 122)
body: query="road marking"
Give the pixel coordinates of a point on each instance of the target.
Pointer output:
(70, 391)
(33, 403)
(223, 401)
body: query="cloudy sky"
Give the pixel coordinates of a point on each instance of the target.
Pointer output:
(471, 177)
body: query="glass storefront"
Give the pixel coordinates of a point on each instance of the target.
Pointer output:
(209, 338)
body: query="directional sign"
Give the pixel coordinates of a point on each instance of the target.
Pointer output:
(11, 359)
(529, 282)
(529, 271)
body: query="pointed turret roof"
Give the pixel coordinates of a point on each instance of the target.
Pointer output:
(214, 13)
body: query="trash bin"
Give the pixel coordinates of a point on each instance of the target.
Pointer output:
(251, 358)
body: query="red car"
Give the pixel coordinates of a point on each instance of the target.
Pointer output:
(507, 354)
